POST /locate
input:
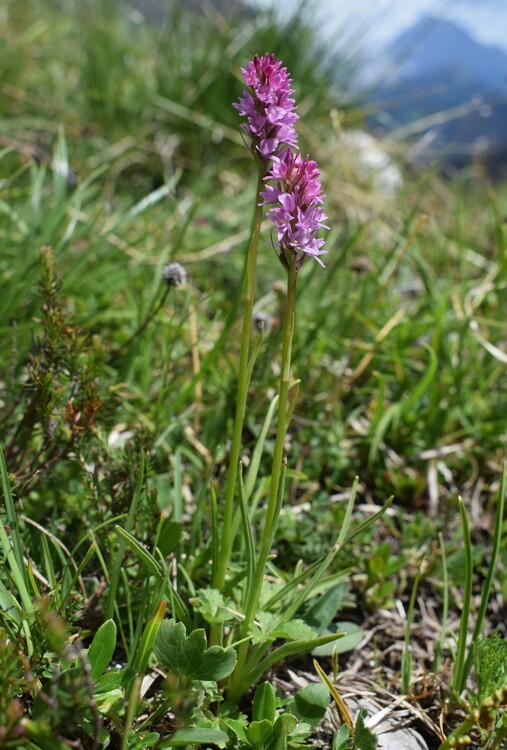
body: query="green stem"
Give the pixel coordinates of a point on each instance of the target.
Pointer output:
(275, 489)
(243, 383)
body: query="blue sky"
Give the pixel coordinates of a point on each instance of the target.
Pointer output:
(376, 22)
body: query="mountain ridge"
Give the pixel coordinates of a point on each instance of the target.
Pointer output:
(433, 67)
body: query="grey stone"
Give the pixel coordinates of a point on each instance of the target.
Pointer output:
(401, 739)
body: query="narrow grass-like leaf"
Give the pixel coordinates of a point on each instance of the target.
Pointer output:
(247, 532)
(406, 657)
(20, 584)
(32, 584)
(118, 561)
(253, 672)
(129, 612)
(343, 711)
(12, 520)
(215, 539)
(197, 736)
(148, 639)
(178, 484)
(131, 710)
(11, 608)
(77, 573)
(403, 407)
(295, 388)
(253, 469)
(141, 551)
(314, 581)
(253, 356)
(50, 569)
(445, 606)
(459, 679)
(364, 525)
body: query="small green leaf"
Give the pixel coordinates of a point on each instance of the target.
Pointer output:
(258, 732)
(196, 736)
(364, 738)
(310, 703)
(284, 725)
(271, 629)
(141, 551)
(239, 730)
(169, 537)
(142, 742)
(113, 679)
(341, 739)
(353, 635)
(106, 701)
(188, 655)
(264, 703)
(102, 648)
(325, 607)
(295, 630)
(212, 606)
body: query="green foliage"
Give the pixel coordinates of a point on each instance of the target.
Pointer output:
(490, 665)
(54, 410)
(189, 657)
(195, 736)
(310, 704)
(102, 648)
(341, 738)
(381, 565)
(277, 723)
(364, 738)
(11, 685)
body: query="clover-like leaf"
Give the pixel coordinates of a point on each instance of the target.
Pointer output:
(213, 607)
(310, 703)
(189, 656)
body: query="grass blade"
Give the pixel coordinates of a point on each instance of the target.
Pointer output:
(459, 678)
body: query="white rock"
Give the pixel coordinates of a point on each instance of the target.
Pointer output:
(373, 160)
(384, 724)
(401, 739)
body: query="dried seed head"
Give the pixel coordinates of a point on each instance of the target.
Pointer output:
(263, 322)
(174, 275)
